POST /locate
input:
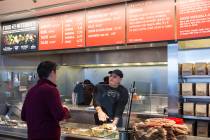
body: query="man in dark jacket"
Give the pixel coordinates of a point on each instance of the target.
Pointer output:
(110, 100)
(42, 109)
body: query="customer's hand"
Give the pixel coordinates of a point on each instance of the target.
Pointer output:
(65, 106)
(66, 112)
(102, 116)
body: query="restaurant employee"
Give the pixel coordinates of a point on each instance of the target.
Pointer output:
(110, 100)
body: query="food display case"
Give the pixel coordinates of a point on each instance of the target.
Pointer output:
(20, 81)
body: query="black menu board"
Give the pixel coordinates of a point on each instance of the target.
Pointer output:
(19, 36)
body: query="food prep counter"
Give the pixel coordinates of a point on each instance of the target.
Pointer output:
(20, 134)
(91, 109)
(11, 131)
(81, 119)
(86, 114)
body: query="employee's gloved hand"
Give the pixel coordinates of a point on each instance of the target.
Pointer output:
(111, 126)
(102, 116)
(115, 121)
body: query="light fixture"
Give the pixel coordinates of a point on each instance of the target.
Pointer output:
(122, 65)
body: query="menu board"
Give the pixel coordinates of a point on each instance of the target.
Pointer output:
(50, 33)
(73, 30)
(19, 36)
(105, 26)
(62, 32)
(193, 18)
(151, 20)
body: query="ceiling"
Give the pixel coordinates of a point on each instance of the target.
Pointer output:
(19, 9)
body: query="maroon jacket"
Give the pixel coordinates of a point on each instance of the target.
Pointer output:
(42, 110)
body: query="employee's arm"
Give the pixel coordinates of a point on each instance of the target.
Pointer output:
(54, 103)
(120, 107)
(97, 104)
(115, 121)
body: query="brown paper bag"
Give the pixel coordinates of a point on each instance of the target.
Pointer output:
(200, 69)
(201, 89)
(187, 89)
(188, 109)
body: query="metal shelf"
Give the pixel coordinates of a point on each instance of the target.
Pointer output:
(195, 79)
(195, 99)
(196, 118)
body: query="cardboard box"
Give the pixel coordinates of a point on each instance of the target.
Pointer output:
(209, 110)
(201, 110)
(191, 126)
(202, 129)
(180, 69)
(188, 109)
(208, 68)
(187, 89)
(200, 69)
(187, 69)
(201, 89)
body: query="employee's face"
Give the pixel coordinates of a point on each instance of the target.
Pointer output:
(114, 80)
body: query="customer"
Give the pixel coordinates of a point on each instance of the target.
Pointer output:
(42, 109)
(110, 100)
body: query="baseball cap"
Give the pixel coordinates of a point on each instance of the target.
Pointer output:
(117, 72)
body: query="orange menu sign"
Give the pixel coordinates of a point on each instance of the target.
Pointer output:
(74, 30)
(61, 32)
(105, 26)
(50, 33)
(151, 20)
(193, 18)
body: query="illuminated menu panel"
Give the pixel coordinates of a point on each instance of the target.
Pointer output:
(73, 30)
(193, 18)
(62, 32)
(50, 33)
(105, 26)
(151, 20)
(19, 36)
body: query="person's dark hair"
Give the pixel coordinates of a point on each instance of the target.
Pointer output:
(45, 68)
(87, 82)
(106, 79)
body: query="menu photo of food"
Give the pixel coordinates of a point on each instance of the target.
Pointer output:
(20, 37)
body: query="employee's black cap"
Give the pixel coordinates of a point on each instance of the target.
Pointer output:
(117, 72)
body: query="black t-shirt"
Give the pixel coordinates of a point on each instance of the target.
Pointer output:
(111, 100)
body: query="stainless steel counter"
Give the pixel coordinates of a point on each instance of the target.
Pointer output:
(91, 109)
(85, 114)
(20, 134)
(13, 133)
